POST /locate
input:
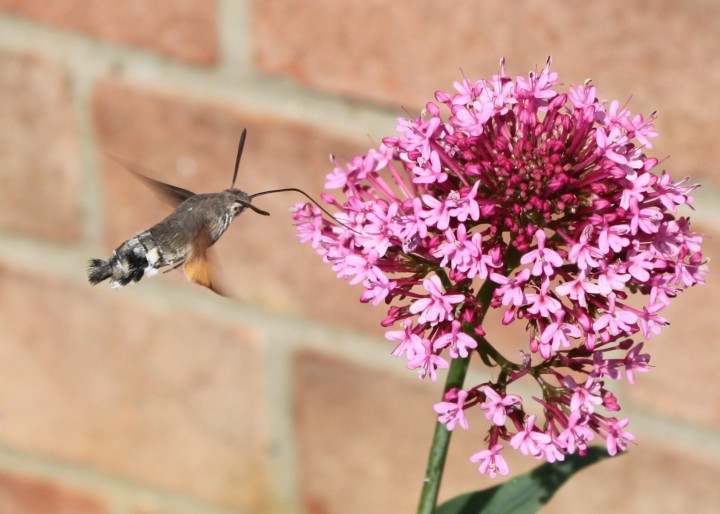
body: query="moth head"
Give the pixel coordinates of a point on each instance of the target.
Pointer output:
(240, 201)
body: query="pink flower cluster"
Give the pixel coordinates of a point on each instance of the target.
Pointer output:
(537, 202)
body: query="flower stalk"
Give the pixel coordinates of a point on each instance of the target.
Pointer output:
(441, 437)
(440, 443)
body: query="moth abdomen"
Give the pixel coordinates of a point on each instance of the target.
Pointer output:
(130, 261)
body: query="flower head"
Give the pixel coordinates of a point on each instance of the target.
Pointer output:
(514, 195)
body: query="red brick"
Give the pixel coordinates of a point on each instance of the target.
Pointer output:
(185, 29)
(192, 144)
(400, 52)
(23, 495)
(364, 435)
(136, 389)
(39, 164)
(682, 382)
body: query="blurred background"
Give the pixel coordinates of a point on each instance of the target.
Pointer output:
(163, 398)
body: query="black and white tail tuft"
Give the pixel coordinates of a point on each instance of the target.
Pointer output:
(128, 263)
(99, 270)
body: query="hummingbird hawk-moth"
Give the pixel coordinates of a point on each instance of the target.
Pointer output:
(182, 238)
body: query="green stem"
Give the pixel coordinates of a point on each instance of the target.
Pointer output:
(440, 443)
(456, 378)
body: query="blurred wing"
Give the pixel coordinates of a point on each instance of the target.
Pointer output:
(168, 193)
(197, 265)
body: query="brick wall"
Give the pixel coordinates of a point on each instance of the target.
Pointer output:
(165, 399)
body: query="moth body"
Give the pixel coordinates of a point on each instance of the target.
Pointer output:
(183, 237)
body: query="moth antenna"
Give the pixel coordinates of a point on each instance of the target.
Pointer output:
(296, 190)
(241, 145)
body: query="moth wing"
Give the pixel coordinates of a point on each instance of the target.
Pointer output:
(167, 192)
(197, 264)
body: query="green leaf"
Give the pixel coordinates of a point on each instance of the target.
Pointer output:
(525, 494)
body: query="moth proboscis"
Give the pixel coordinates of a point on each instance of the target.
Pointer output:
(182, 238)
